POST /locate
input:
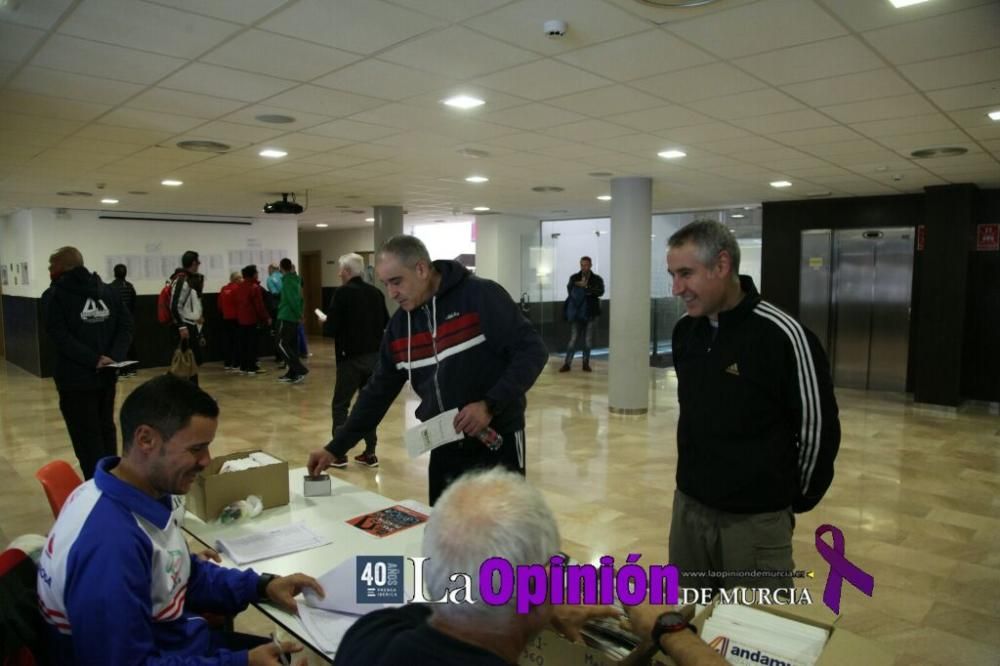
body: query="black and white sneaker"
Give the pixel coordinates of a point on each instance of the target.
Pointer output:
(285, 378)
(297, 379)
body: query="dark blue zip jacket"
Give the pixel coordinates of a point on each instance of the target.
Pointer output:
(470, 342)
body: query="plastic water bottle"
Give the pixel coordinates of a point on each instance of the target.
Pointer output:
(491, 438)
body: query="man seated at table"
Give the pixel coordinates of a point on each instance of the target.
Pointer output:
(116, 582)
(485, 514)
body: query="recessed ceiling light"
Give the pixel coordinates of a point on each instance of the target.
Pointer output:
(477, 179)
(172, 183)
(898, 4)
(321, 225)
(780, 183)
(481, 209)
(369, 219)
(272, 152)
(604, 197)
(737, 216)
(276, 118)
(463, 102)
(994, 115)
(109, 201)
(671, 154)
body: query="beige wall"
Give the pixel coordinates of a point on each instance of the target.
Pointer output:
(334, 243)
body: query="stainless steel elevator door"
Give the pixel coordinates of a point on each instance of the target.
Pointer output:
(872, 275)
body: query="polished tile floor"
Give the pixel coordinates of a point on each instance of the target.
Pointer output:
(917, 490)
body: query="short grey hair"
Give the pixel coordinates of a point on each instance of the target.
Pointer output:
(408, 249)
(710, 237)
(495, 513)
(353, 262)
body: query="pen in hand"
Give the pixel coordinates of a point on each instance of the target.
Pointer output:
(281, 653)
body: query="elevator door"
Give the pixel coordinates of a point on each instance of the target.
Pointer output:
(860, 308)
(872, 275)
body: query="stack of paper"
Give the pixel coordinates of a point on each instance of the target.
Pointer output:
(749, 637)
(255, 459)
(265, 544)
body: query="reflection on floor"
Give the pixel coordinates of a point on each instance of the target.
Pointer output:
(917, 491)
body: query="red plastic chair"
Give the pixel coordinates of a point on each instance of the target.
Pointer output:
(59, 480)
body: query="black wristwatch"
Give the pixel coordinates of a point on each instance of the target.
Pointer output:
(262, 583)
(669, 623)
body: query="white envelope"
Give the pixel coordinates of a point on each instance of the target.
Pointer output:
(432, 433)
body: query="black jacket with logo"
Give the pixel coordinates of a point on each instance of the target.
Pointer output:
(470, 342)
(594, 290)
(759, 426)
(85, 320)
(356, 318)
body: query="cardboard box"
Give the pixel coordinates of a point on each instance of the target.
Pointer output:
(843, 647)
(212, 492)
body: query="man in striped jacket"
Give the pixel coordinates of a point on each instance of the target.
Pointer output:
(758, 429)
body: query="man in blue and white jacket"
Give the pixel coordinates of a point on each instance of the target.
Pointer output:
(463, 343)
(116, 582)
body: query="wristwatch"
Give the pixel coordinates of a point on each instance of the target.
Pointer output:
(262, 583)
(669, 623)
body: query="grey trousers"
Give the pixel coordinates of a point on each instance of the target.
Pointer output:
(722, 550)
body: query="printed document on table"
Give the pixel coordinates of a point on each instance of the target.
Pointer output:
(432, 433)
(340, 588)
(268, 543)
(325, 628)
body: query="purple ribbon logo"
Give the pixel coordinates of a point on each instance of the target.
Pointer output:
(840, 568)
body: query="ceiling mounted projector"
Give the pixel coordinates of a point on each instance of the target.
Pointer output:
(283, 207)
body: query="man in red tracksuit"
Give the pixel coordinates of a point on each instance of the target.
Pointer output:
(230, 323)
(250, 312)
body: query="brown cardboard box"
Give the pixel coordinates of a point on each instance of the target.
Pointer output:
(212, 492)
(843, 647)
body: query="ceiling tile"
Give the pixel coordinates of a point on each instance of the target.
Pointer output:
(907, 143)
(451, 10)
(910, 125)
(225, 82)
(757, 27)
(606, 101)
(850, 88)
(286, 57)
(16, 41)
(73, 86)
(183, 103)
(323, 101)
(231, 132)
(749, 144)
(42, 106)
(975, 118)
(967, 97)
(244, 11)
(140, 25)
(35, 14)
(352, 130)
(248, 116)
(542, 79)
(706, 132)
(637, 56)
(374, 25)
(83, 56)
(480, 54)
(310, 143)
(384, 80)
(532, 117)
(830, 150)
(953, 71)
(587, 130)
(866, 15)
(746, 105)
(879, 109)
(789, 120)
(139, 119)
(659, 118)
(940, 36)
(592, 21)
(696, 83)
(138, 137)
(831, 57)
(818, 135)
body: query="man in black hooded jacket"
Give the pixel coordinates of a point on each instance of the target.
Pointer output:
(89, 330)
(462, 343)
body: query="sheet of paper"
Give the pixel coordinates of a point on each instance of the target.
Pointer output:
(326, 628)
(121, 364)
(264, 544)
(432, 433)
(340, 586)
(320, 314)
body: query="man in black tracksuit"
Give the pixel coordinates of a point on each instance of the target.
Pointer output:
(356, 320)
(89, 330)
(463, 343)
(126, 294)
(759, 427)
